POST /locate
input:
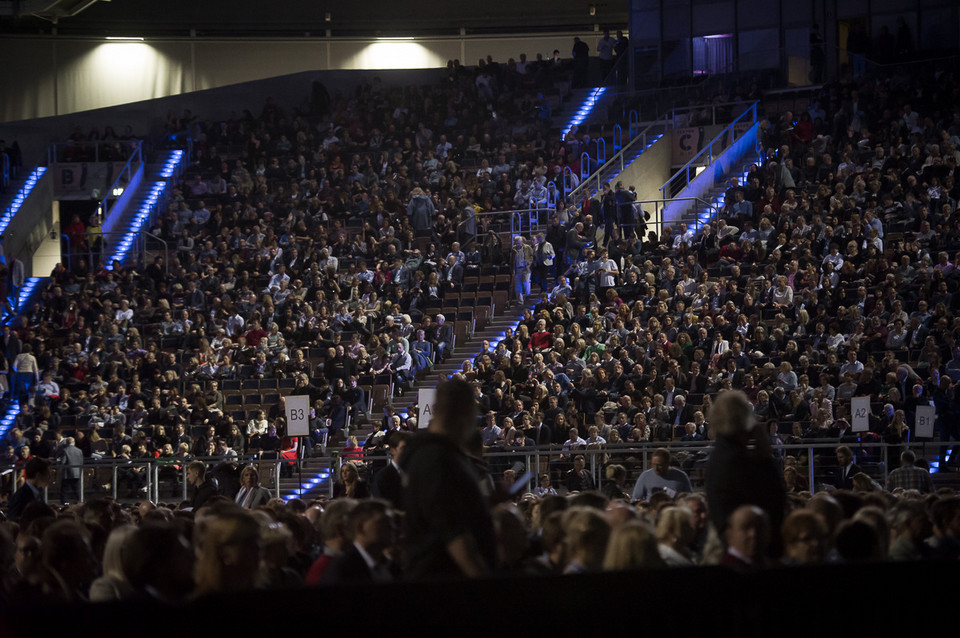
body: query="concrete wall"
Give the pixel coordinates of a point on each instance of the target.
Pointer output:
(649, 172)
(31, 225)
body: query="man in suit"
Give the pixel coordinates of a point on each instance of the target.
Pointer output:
(251, 494)
(71, 458)
(38, 477)
(541, 434)
(400, 275)
(366, 562)
(681, 413)
(452, 273)
(741, 470)
(388, 482)
(846, 469)
(444, 338)
(575, 241)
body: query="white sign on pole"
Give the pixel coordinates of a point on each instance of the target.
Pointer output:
(425, 401)
(860, 409)
(298, 415)
(923, 426)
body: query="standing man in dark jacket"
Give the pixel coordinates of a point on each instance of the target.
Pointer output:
(388, 482)
(575, 241)
(741, 469)
(203, 488)
(449, 530)
(37, 473)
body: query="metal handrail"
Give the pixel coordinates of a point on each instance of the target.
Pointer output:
(657, 219)
(69, 254)
(54, 157)
(668, 121)
(708, 149)
(614, 165)
(166, 249)
(104, 209)
(516, 220)
(460, 227)
(153, 465)
(672, 113)
(535, 457)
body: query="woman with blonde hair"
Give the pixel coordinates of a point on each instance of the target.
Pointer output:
(898, 431)
(675, 534)
(640, 430)
(787, 378)
(632, 545)
(113, 584)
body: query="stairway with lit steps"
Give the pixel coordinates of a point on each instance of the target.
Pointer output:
(609, 170)
(11, 201)
(17, 193)
(577, 108)
(696, 216)
(157, 178)
(314, 480)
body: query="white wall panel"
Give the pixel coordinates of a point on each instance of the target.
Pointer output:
(28, 76)
(220, 63)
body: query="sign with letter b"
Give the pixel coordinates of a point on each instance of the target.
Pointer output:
(298, 415)
(923, 426)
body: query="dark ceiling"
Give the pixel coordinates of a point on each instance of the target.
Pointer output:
(364, 18)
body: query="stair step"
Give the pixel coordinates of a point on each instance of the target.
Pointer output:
(313, 468)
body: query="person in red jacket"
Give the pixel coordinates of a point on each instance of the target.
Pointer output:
(255, 335)
(542, 338)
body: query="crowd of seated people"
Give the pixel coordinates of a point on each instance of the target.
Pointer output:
(293, 266)
(323, 253)
(830, 274)
(823, 280)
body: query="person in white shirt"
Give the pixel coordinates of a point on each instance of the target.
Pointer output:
(48, 387)
(562, 288)
(724, 231)
(491, 432)
(834, 257)
(573, 443)
(124, 312)
(275, 280)
(234, 325)
(852, 365)
(608, 270)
